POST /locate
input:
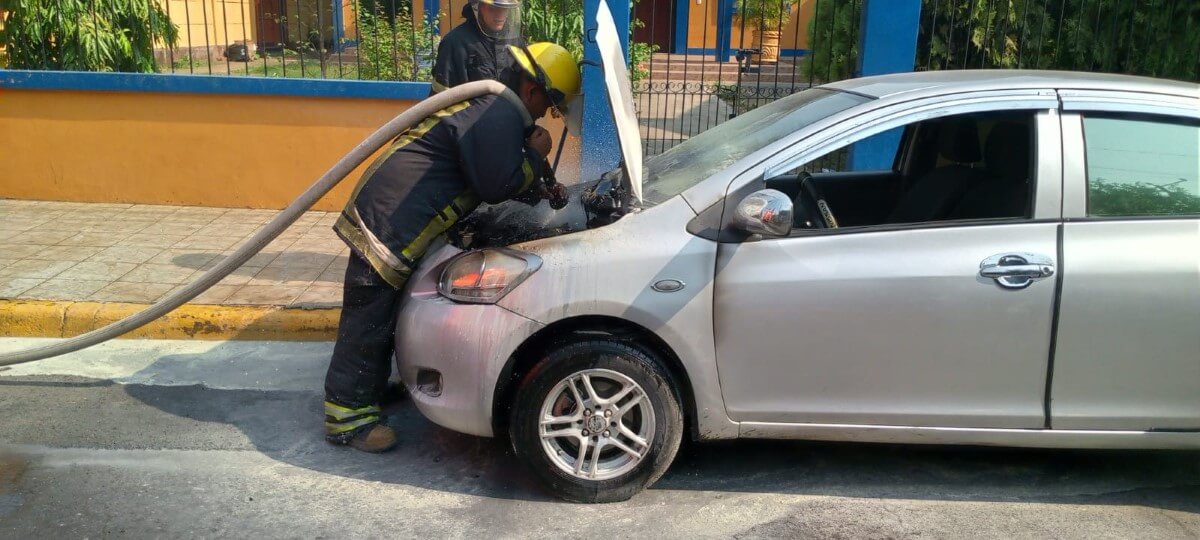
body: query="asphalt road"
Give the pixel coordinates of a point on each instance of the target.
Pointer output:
(222, 439)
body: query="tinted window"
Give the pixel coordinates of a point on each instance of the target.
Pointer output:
(674, 171)
(962, 167)
(1142, 167)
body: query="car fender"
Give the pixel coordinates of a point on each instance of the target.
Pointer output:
(648, 270)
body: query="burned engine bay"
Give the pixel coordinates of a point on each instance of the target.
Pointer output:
(591, 204)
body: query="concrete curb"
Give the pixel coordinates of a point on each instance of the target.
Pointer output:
(42, 318)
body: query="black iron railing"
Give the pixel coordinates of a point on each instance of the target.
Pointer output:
(392, 40)
(732, 56)
(1158, 38)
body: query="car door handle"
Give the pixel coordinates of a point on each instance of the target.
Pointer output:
(1016, 270)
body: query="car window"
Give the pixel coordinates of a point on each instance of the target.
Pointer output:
(674, 171)
(1142, 166)
(874, 153)
(963, 167)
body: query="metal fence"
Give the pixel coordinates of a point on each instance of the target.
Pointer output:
(697, 64)
(1159, 38)
(326, 39)
(695, 82)
(331, 39)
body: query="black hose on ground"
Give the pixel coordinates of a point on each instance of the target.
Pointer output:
(270, 231)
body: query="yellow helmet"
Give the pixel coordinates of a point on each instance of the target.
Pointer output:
(552, 67)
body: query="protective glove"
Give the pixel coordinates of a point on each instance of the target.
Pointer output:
(556, 193)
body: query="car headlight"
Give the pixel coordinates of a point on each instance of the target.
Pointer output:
(486, 275)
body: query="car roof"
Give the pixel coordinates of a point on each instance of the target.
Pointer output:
(974, 80)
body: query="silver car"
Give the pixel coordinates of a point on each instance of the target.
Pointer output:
(966, 257)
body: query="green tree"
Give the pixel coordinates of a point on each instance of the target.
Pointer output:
(1148, 37)
(986, 34)
(1107, 198)
(833, 40)
(392, 48)
(561, 22)
(558, 21)
(764, 14)
(85, 35)
(387, 8)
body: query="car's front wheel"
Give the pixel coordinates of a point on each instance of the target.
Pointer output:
(597, 421)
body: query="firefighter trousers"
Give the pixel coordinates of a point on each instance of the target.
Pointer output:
(362, 357)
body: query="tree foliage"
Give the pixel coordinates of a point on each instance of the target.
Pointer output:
(558, 21)
(833, 40)
(1149, 37)
(85, 35)
(561, 22)
(1107, 198)
(389, 9)
(392, 47)
(765, 14)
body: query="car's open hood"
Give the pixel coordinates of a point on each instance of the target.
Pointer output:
(620, 98)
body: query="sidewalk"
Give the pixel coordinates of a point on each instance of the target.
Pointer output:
(95, 254)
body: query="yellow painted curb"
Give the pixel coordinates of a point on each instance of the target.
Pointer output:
(42, 318)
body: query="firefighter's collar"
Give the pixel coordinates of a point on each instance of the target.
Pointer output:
(512, 98)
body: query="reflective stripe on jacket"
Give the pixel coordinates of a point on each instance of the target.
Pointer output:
(434, 174)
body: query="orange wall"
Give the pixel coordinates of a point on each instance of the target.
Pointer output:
(702, 26)
(348, 21)
(451, 14)
(349, 17)
(202, 150)
(217, 23)
(234, 151)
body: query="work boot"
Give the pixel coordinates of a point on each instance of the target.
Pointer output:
(363, 428)
(374, 439)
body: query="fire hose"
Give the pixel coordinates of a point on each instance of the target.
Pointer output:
(270, 231)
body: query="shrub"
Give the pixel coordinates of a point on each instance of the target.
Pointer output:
(561, 21)
(765, 14)
(1149, 37)
(395, 51)
(833, 40)
(85, 35)
(1107, 198)
(558, 21)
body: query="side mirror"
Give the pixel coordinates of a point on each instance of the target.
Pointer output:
(767, 212)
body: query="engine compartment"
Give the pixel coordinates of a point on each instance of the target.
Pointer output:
(592, 204)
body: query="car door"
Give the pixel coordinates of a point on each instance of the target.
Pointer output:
(894, 325)
(1128, 345)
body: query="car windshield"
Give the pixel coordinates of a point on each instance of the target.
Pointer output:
(674, 171)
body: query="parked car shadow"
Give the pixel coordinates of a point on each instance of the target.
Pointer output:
(285, 424)
(1160, 479)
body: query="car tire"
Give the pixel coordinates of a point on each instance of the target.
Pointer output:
(615, 473)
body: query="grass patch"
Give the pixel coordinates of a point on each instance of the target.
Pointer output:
(290, 67)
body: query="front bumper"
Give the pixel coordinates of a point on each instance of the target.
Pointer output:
(468, 346)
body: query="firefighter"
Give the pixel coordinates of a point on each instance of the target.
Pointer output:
(486, 149)
(478, 49)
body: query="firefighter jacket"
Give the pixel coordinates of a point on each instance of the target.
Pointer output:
(434, 174)
(466, 54)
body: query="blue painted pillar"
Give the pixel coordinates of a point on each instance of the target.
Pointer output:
(339, 26)
(600, 150)
(725, 12)
(432, 10)
(682, 12)
(887, 44)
